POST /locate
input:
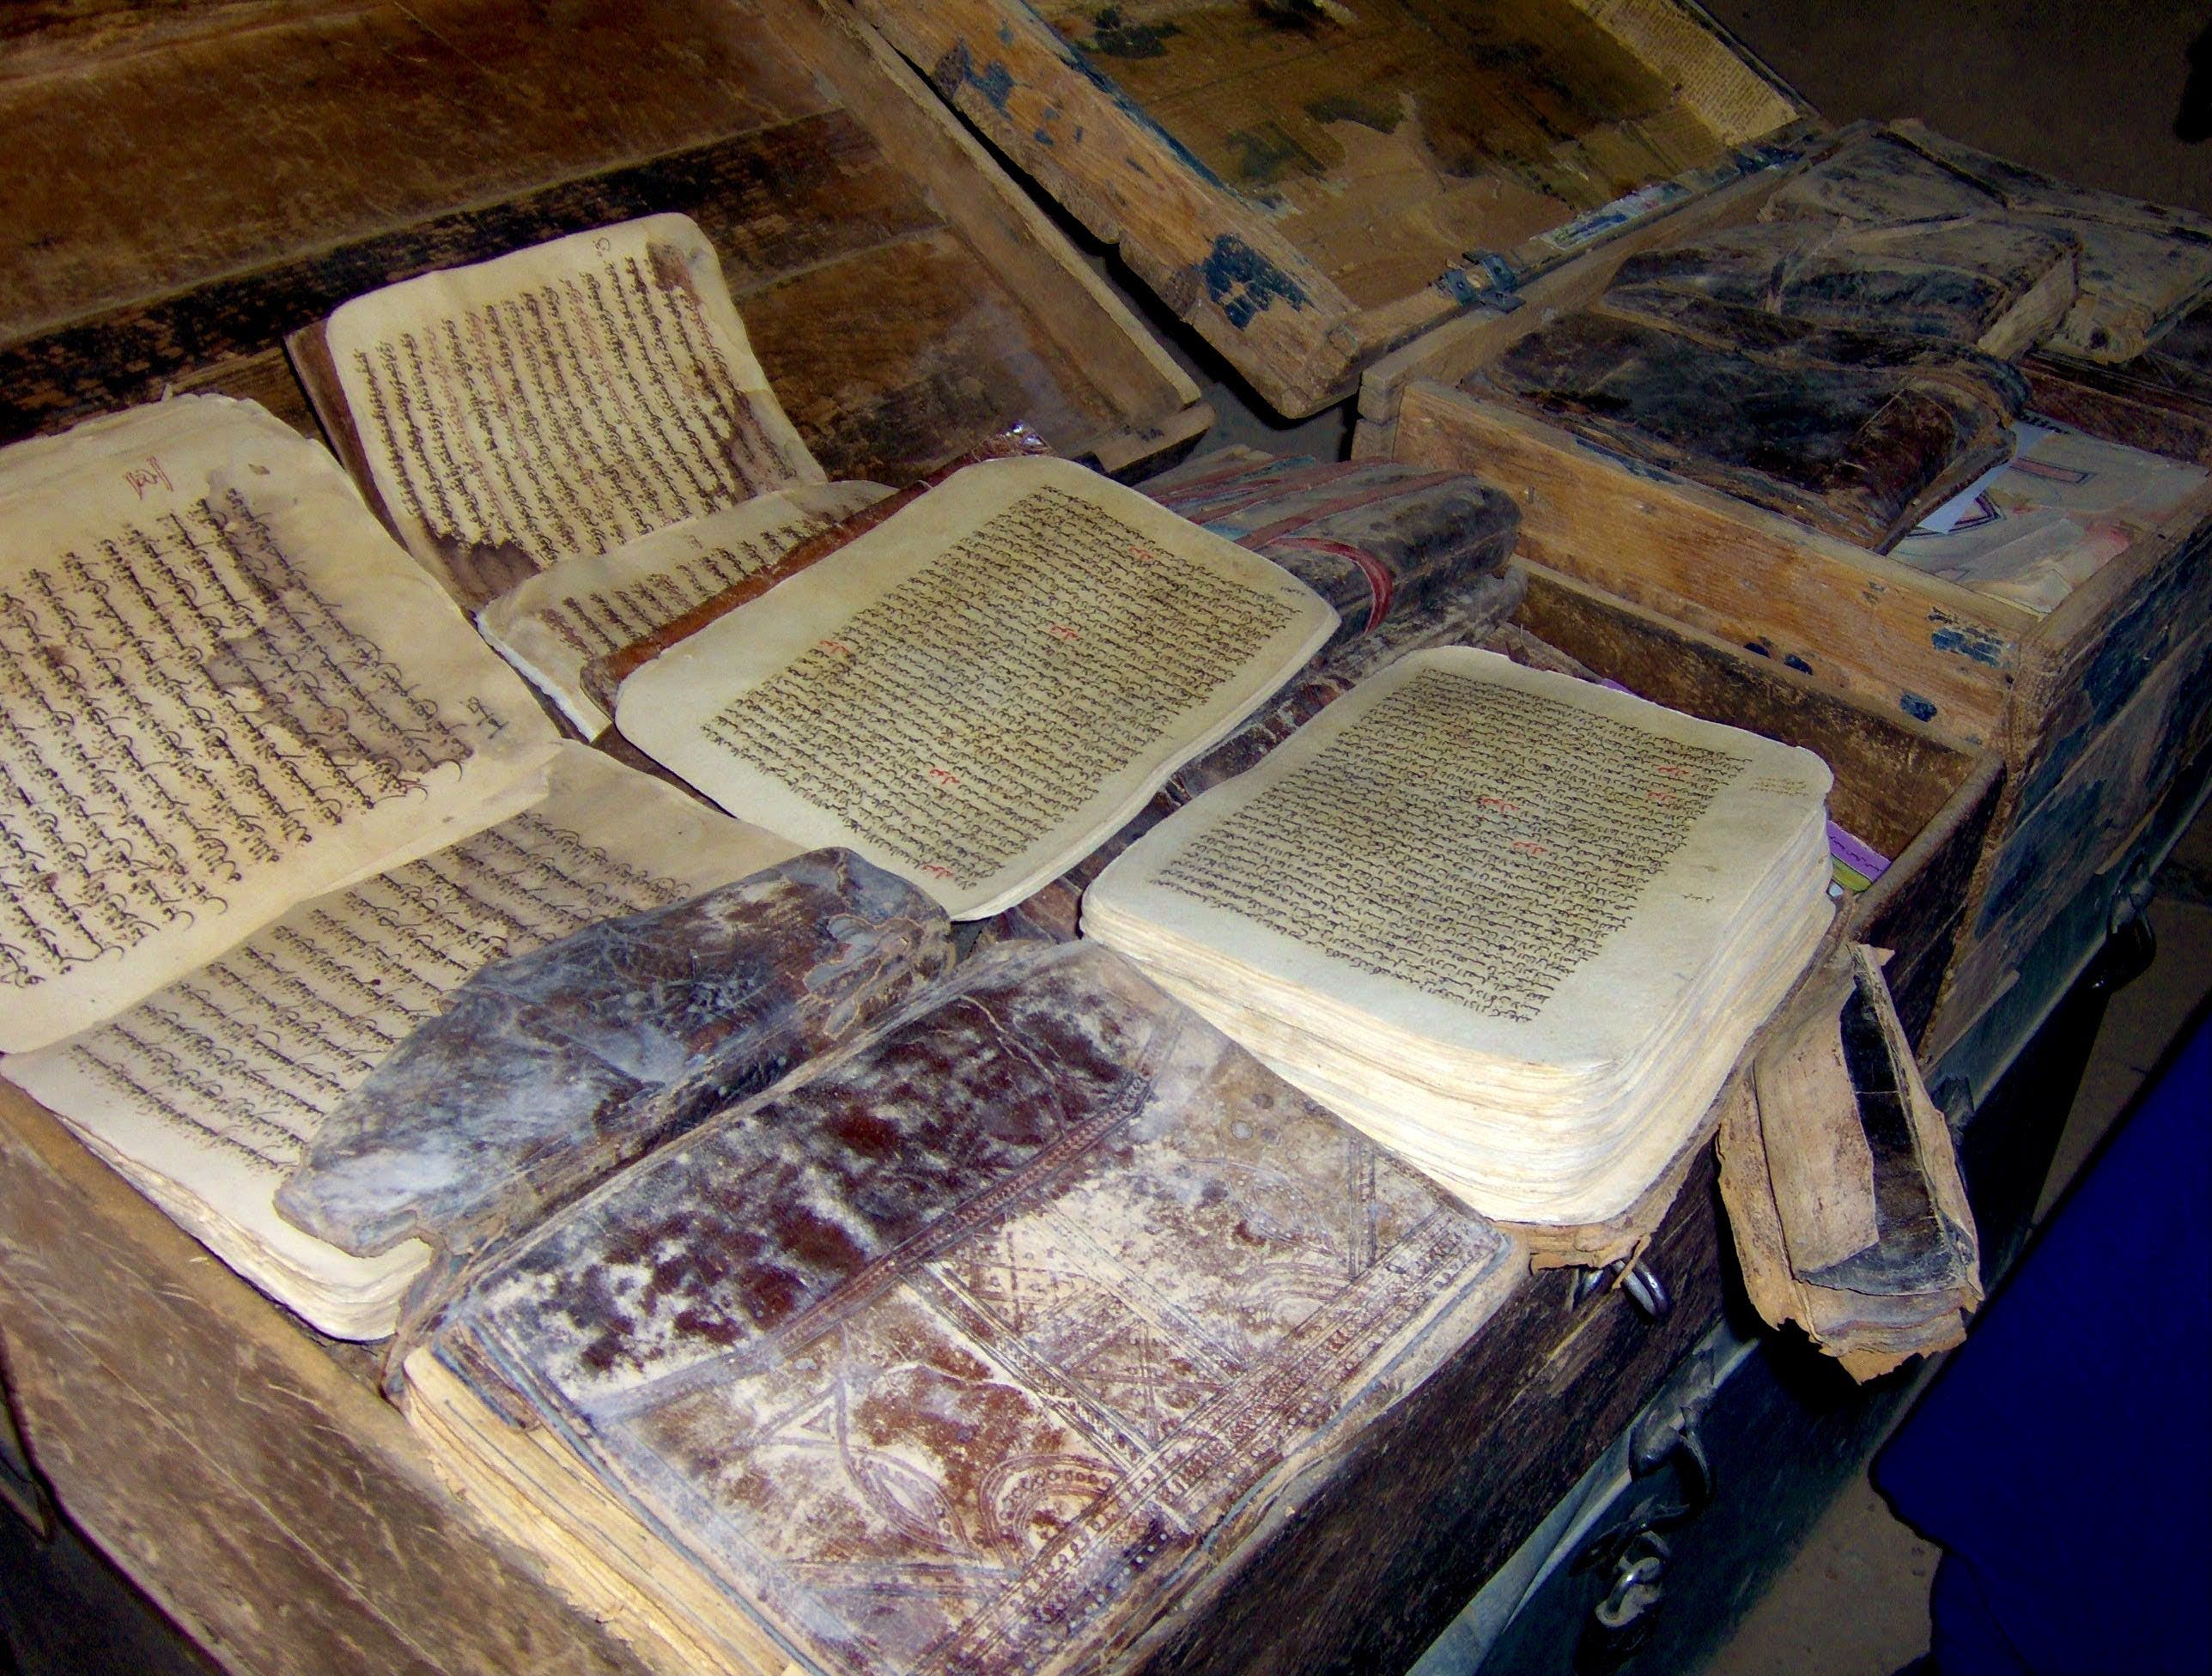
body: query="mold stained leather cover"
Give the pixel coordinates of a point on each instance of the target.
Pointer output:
(1855, 434)
(1956, 280)
(544, 1072)
(973, 1348)
(1376, 540)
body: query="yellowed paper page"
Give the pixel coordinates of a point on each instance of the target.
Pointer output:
(553, 624)
(560, 401)
(223, 690)
(206, 1093)
(1497, 857)
(978, 690)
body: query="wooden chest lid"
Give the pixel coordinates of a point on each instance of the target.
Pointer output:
(188, 185)
(1308, 182)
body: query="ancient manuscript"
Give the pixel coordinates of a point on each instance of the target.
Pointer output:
(551, 625)
(976, 691)
(222, 690)
(207, 1092)
(982, 1350)
(1514, 924)
(557, 402)
(546, 1070)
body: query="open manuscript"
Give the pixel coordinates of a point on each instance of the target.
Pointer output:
(567, 437)
(268, 798)
(1513, 925)
(977, 690)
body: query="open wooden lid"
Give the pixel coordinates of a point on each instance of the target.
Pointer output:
(1309, 183)
(187, 185)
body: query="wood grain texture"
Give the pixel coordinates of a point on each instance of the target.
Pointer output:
(909, 301)
(1901, 641)
(2105, 641)
(2082, 829)
(1306, 186)
(256, 1488)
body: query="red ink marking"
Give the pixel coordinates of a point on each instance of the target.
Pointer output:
(936, 871)
(143, 478)
(1673, 771)
(1504, 806)
(1061, 631)
(1664, 797)
(943, 776)
(1530, 846)
(835, 648)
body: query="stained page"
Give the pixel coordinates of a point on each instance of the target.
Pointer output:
(559, 401)
(989, 1345)
(207, 1092)
(976, 691)
(223, 690)
(551, 625)
(1502, 860)
(2041, 525)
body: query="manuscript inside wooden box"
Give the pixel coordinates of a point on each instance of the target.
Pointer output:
(1308, 184)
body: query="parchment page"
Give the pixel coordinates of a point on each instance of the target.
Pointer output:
(978, 689)
(551, 625)
(223, 690)
(560, 401)
(1504, 860)
(210, 1089)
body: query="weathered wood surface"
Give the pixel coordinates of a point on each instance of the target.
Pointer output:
(1307, 186)
(903, 297)
(2084, 826)
(2161, 401)
(2103, 643)
(256, 1488)
(1903, 642)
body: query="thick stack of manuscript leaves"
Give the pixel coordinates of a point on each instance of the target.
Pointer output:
(1513, 925)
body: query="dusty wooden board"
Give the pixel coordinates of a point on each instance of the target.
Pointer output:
(1307, 185)
(1901, 641)
(260, 1492)
(2104, 643)
(2085, 825)
(905, 297)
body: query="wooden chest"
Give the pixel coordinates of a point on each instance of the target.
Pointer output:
(2094, 708)
(1308, 184)
(187, 184)
(1322, 191)
(247, 1474)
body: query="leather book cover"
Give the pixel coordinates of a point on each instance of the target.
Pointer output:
(984, 1344)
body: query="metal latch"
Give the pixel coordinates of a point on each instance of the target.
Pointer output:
(1633, 1276)
(1632, 1555)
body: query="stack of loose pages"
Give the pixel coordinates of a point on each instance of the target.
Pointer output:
(1513, 925)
